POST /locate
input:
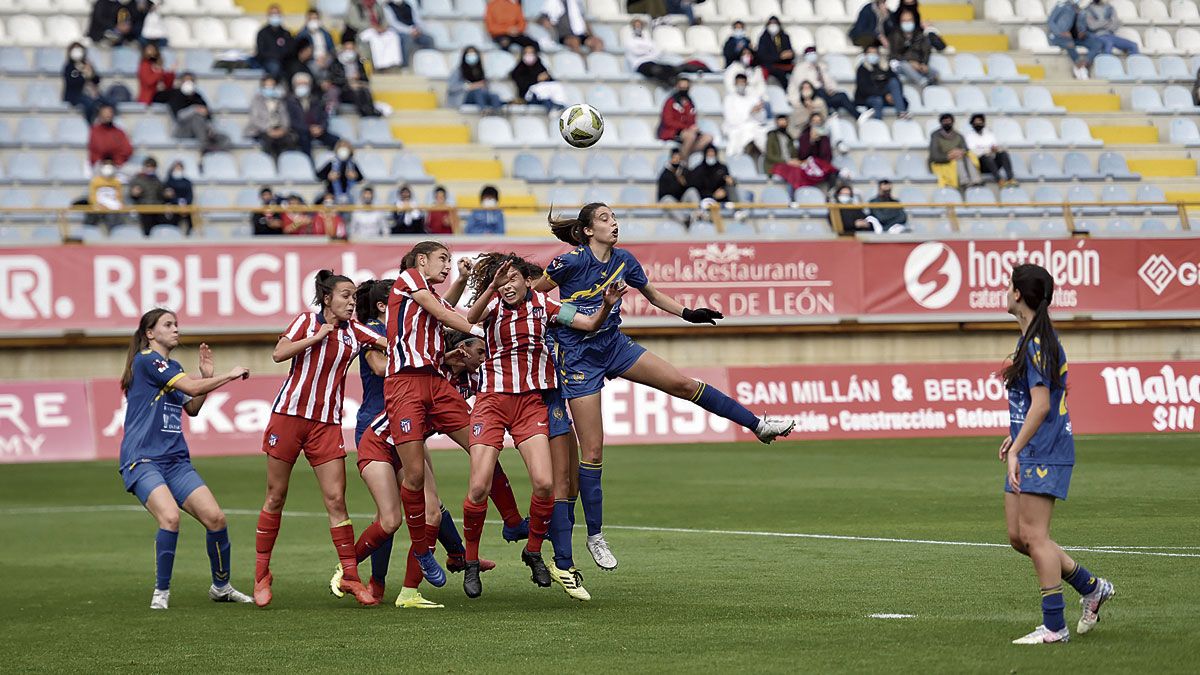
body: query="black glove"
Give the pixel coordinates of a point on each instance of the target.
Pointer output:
(702, 315)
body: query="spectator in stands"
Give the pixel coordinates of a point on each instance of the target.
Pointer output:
(756, 82)
(320, 38)
(408, 218)
(349, 74)
(1102, 22)
(441, 220)
(146, 189)
(678, 121)
(775, 53)
(369, 223)
(299, 62)
(367, 21)
(909, 48)
(470, 86)
(1196, 89)
(1062, 31)
(298, 222)
(814, 140)
(949, 157)
(893, 20)
(307, 116)
(870, 26)
(534, 83)
(152, 29)
(488, 218)
(81, 82)
(893, 220)
(341, 173)
(711, 180)
(784, 162)
(853, 219)
(813, 70)
(644, 56)
(192, 117)
(566, 22)
(404, 16)
(178, 191)
(104, 192)
(992, 157)
(744, 120)
(672, 182)
(736, 43)
(505, 22)
(108, 141)
(269, 222)
(269, 123)
(274, 43)
(152, 77)
(327, 221)
(683, 8)
(807, 103)
(113, 23)
(876, 86)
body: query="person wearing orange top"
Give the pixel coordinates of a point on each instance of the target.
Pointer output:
(505, 22)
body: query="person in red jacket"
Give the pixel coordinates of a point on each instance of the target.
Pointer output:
(152, 77)
(107, 140)
(678, 122)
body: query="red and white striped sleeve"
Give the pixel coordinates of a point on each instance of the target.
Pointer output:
(410, 281)
(364, 333)
(298, 328)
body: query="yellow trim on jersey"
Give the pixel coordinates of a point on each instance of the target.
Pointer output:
(166, 388)
(598, 288)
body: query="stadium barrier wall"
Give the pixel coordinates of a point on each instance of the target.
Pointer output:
(251, 287)
(70, 420)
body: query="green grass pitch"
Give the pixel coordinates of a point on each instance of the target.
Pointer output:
(78, 563)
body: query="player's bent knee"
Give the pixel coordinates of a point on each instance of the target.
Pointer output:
(391, 521)
(169, 521)
(216, 521)
(477, 493)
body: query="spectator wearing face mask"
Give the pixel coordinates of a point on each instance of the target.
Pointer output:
(469, 86)
(105, 195)
(775, 53)
(505, 22)
(307, 116)
(876, 87)
(349, 74)
(299, 62)
(711, 180)
(178, 191)
(269, 222)
(341, 174)
(892, 220)
(488, 218)
(812, 70)
(756, 82)
(678, 121)
(152, 77)
(367, 21)
(853, 219)
(949, 157)
(910, 49)
(145, 189)
(369, 223)
(192, 117)
(735, 43)
(992, 157)
(534, 83)
(274, 43)
(784, 162)
(441, 220)
(408, 218)
(320, 39)
(269, 123)
(81, 82)
(814, 140)
(113, 22)
(108, 141)
(672, 182)
(744, 121)
(807, 104)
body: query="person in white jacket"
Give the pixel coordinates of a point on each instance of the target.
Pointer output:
(745, 122)
(812, 69)
(993, 158)
(756, 82)
(644, 56)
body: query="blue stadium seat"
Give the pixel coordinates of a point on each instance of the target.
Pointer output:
(1077, 165)
(466, 33)
(258, 167)
(1041, 132)
(1044, 165)
(409, 167)
(25, 167)
(706, 99)
(494, 131)
(1018, 228)
(1048, 194)
(636, 133)
(343, 127)
(199, 61)
(914, 167)
(565, 168)
(599, 193)
(151, 132)
(568, 66)
(874, 133)
(376, 131)
(10, 96)
(939, 98)
(809, 195)
(1145, 99)
(1184, 132)
(373, 165)
(528, 167)
(125, 61)
(600, 167)
(48, 59)
(1174, 68)
(743, 168)
(1112, 165)
(670, 228)
(19, 199)
(13, 61)
(1017, 195)
(43, 95)
(1038, 99)
(565, 196)
(876, 167)
(909, 134)
(636, 167)
(472, 9)
(430, 63)
(221, 167)
(1000, 66)
(1148, 192)
(126, 232)
(1140, 67)
(606, 66)
(1003, 98)
(1008, 132)
(1179, 99)
(1119, 193)
(636, 194)
(1108, 67)
(944, 67)
(531, 131)
(72, 131)
(67, 167)
(437, 9)
(637, 98)
(296, 167)
(971, 99)
(440, 34)
(231, 96)
(1154, 226)
(166, 232)
(33, 131)
(969, 68)
(1077, 133)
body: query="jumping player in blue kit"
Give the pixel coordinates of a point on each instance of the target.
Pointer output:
(585, 360)
(155, 464)
(1040, 453)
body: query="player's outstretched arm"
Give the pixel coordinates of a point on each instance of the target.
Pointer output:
(202, 385)
(447, 317)
(544, 284)
(587, 323)
(455, 292)
(479, 307)
(670, 305)
(285, 349)
(207, 369)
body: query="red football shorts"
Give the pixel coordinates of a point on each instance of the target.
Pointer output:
(372, 448)
(287, 435)
(523, 416)
(421, 403)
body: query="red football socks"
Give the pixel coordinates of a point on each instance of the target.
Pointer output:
(343, 543)
(473, 516)
(504, 499)
(264, 542)
(369, 541)
(540, 510)
(414, 517)
(431, 535)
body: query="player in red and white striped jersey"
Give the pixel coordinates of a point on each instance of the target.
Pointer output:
(306, 417)
(518, 373)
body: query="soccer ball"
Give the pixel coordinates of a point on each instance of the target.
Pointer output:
(581, 125)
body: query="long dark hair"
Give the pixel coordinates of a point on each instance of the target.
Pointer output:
(139, 341)
(368, 295)
(1036, 287)
(570, 230)
(325, 283)
(424, 248)
(456, 338)
(486, 266)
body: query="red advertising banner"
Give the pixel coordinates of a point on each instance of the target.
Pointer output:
(251, 287)
(49, 421)
(45, 422)
(1168, 274)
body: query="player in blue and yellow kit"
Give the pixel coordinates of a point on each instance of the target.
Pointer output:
(155, 464)
(1040, 452)
(585, 359)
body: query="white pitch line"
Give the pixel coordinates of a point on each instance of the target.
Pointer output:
(1115, 550)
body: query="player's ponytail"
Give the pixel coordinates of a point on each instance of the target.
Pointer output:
(457, 338)
(325, 283)
(424, 248)
(570, 230)
(368, 296)
(138, 342)
(1036, 287)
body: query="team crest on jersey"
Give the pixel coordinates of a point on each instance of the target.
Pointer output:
(272, 440)
(558, 413)
(477, 429)
(160, 365)
(538, 312)
(406, 425)
(346, 340)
